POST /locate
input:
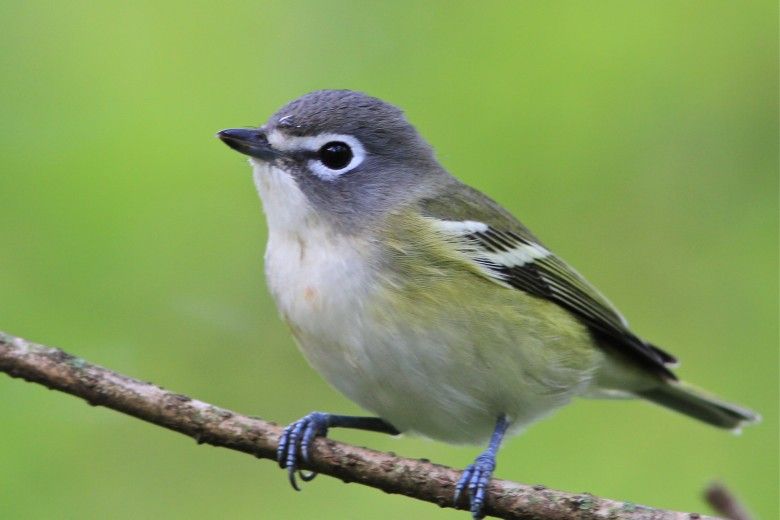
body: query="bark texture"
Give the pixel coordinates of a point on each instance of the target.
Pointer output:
(210, 424)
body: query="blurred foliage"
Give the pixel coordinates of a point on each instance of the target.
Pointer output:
(639, 139)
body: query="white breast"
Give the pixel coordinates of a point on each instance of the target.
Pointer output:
(317, 277)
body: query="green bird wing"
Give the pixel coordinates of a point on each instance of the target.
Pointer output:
(508, 253)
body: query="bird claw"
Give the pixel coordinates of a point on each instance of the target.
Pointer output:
(476, 478)
(296, 442)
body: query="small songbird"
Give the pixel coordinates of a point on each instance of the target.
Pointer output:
(423, 300)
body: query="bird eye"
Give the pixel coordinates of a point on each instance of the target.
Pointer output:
(330, 155)
(335, 155)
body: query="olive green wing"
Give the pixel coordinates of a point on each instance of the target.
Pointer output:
(511, 255)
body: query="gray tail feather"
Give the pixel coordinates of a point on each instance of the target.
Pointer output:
(696, 403)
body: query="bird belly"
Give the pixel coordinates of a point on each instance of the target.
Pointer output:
(431, 366)
(449, 400)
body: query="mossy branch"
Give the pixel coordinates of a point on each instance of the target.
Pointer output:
(210, 424)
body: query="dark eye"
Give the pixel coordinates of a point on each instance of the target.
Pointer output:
(335, 155)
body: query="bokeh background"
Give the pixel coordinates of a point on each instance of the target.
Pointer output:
(639, 139)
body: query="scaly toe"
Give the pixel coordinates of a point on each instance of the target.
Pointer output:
(296, 440)
(476, 478)
(462, 483)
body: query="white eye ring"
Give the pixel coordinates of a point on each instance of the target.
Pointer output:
(313, 144)
(324, 172)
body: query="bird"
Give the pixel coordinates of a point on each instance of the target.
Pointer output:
(426, 302)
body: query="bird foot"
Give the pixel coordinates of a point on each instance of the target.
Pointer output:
(295, 443)
(476, 478)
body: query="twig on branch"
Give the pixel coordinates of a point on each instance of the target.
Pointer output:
(725, 503)
(210, 424)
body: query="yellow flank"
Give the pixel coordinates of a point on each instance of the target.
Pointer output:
(501, 347)
(429, 277)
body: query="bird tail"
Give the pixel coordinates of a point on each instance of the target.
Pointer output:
(696, 403)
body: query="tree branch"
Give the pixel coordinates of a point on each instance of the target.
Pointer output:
(210, 424)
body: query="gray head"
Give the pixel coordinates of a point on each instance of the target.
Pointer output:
(353, 156)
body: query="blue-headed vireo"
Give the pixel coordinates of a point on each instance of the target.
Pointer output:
(423, 300)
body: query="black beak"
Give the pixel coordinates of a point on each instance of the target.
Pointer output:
(249, 141)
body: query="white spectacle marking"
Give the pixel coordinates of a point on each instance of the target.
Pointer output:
(279, 140)
(288, 143)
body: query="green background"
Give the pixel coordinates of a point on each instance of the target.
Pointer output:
(638, 139)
